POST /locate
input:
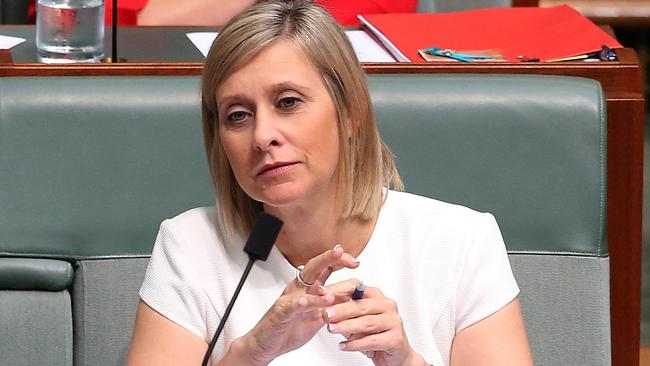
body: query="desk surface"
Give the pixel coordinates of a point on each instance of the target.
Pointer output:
(136, 44)
(167, 51)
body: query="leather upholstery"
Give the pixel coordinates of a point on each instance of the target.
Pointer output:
(505, 150)
(35, 274)
(89, 166)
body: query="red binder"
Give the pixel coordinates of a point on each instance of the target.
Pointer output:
(542, 33)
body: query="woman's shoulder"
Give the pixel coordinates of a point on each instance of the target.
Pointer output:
(429, 209)
(192, 231)
(195, 218)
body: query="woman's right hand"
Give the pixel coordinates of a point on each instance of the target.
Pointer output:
(296, 316)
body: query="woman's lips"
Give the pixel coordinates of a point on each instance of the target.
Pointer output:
(276, 169)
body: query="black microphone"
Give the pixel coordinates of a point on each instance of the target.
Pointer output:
(258, 246)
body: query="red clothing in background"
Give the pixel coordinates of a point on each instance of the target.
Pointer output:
(344, 11)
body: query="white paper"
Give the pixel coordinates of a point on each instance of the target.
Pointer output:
(384, 40)
(202, 40)
(7, 42)
(366, 48)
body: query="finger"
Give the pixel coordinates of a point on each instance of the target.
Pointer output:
(369, 324)
(317, 289)
(358, 308)
(370, 342)
(345, 261)
(320, 267)
(288, 308)
(344, 289)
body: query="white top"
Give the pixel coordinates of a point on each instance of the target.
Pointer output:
(445, 265)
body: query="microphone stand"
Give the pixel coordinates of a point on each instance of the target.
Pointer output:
(114, 33)
(222, 323)
(258, 246)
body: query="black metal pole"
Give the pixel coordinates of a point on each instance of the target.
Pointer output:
(114, 33)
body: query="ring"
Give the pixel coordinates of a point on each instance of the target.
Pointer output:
(299, 276)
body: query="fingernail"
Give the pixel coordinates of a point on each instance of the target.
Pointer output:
(329, 297)
(322, 288)
(355, 260)
(341, 346)
(329, 313)
(331, 327)
(336, 246)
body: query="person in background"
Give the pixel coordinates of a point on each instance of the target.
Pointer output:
(289, 130)
(218, 12)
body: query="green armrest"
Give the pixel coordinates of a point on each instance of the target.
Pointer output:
(35, 274)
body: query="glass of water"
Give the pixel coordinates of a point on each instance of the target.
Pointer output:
(70, 31)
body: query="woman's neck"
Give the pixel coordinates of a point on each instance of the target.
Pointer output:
(308, 233)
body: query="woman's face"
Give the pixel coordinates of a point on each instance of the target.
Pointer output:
(278, 127)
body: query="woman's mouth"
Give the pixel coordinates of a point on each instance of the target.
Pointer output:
(270, 170)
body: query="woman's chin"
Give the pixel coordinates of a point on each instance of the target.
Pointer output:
(280, 197)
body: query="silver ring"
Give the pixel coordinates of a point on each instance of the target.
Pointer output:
(299, 276)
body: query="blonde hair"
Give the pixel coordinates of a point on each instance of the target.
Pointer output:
(366, 165)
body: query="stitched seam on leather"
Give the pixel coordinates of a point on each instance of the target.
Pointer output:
(553, 252)
(601, 112)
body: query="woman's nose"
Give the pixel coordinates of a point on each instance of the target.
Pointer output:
(265, 132)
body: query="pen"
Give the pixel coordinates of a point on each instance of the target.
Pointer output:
(358, 291)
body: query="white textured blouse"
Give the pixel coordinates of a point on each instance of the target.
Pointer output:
(445, 265)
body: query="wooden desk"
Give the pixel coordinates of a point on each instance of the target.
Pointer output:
(621, 82)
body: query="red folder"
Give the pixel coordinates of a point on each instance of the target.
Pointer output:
(543, 33)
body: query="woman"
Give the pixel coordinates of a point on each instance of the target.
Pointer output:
(289, 130)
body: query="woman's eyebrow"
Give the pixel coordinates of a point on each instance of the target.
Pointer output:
(280, 87)
(231, 99)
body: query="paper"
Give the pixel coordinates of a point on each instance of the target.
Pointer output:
(202, 40)
(517, 33)
(366, 48)
(7, 42)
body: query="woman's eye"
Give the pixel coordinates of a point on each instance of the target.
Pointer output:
(288, 103)
(237, 116)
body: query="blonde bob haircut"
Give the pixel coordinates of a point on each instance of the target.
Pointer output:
(366, 165)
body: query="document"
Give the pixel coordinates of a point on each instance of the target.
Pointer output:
(526, 33)
(366, 48)
(7, 42)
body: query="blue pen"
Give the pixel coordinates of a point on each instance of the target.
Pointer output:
(358, 291)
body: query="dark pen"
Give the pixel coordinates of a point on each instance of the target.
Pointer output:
(358, 291)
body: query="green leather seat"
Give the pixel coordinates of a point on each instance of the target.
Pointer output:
(89, 166)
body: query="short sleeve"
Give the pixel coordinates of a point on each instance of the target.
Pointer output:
(171, 285)
(486, 283)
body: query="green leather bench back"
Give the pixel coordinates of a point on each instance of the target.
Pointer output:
(529, 149)
(90, 166)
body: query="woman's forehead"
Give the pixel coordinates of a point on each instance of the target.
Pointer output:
(282, 63)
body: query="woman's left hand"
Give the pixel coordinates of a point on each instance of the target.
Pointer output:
(372, 325)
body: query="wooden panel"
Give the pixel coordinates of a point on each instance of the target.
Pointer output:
(5, 57)
(518, 3)
(624, 223)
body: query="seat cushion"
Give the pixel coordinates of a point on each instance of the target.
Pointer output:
(106, 297)
(36, 328)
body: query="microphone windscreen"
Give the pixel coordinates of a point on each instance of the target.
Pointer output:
(263, 236)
